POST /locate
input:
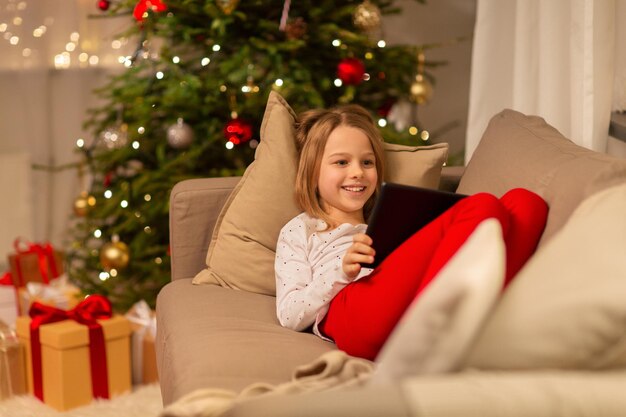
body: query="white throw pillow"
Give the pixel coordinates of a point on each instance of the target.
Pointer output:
(566, 309)
(437, 330)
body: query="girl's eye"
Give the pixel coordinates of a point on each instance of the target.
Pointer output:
(342, 162)
(368, 162)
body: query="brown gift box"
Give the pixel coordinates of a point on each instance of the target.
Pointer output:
(149, 370)
(143, 323)
(25, 267)
(144, 372)
(65, 360)
(12, 364)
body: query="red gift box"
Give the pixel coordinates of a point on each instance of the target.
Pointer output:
(34, 262)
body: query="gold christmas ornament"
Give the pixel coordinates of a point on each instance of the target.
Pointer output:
(114, 255)
(421, 90)
(227, 6)
(367, 16)
(84, 203)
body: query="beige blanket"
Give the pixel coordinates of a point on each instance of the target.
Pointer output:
(332, 370)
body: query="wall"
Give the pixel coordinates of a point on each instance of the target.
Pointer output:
(439, 22)
(41, 114)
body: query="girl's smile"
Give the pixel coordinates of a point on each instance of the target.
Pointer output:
(348, 175)
(354, 188)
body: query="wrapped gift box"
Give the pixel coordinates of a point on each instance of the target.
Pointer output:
(143, 324)
(66, 369)
(40, 265)
(12, 363)
(8, 304)
(149, 368)
(59, 293)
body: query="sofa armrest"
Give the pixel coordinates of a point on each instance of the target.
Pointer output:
(194, 208)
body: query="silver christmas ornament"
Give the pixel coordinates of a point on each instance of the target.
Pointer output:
(130, 169)
(401, 115)
(367, 16)
(180, 135)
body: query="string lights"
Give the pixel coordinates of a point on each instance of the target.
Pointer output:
(38, 42)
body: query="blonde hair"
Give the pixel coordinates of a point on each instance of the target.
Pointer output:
(312, 130)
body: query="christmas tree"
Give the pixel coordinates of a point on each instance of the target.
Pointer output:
(189, 104)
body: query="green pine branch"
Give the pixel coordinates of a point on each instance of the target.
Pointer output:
(203, 58)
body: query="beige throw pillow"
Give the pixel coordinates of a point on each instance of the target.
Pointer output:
(437, 330)
(517, 150)
(242, 249)
(566, 308)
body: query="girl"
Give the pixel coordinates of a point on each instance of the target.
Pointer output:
(319, 278)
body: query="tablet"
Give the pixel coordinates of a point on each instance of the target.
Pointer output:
(400, 211)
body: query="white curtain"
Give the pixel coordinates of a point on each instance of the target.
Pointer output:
(42, 108)
(552, 58)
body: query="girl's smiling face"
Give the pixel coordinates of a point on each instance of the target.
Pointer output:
(347, 176)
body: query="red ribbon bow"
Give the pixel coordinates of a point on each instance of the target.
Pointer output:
(6, 279)
(45, 256)
(94, 307)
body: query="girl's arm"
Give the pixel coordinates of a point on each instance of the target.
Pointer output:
(299, 296)
(361, 252)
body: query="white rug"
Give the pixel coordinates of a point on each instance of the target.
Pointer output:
(144, 401)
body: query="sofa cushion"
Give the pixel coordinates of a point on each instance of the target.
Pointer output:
(236, 341)
(242, 249)
(484, 394)
(524, 151)
(436, 331)
(565, 309)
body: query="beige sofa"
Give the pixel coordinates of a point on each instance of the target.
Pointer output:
(554, 345)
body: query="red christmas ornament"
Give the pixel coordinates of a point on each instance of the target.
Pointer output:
(144, 6)
(351, 71)
(108, 179)
(104, 5)
(238, 131)
(383, 111)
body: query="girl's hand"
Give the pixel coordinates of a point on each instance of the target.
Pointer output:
(360, 252)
